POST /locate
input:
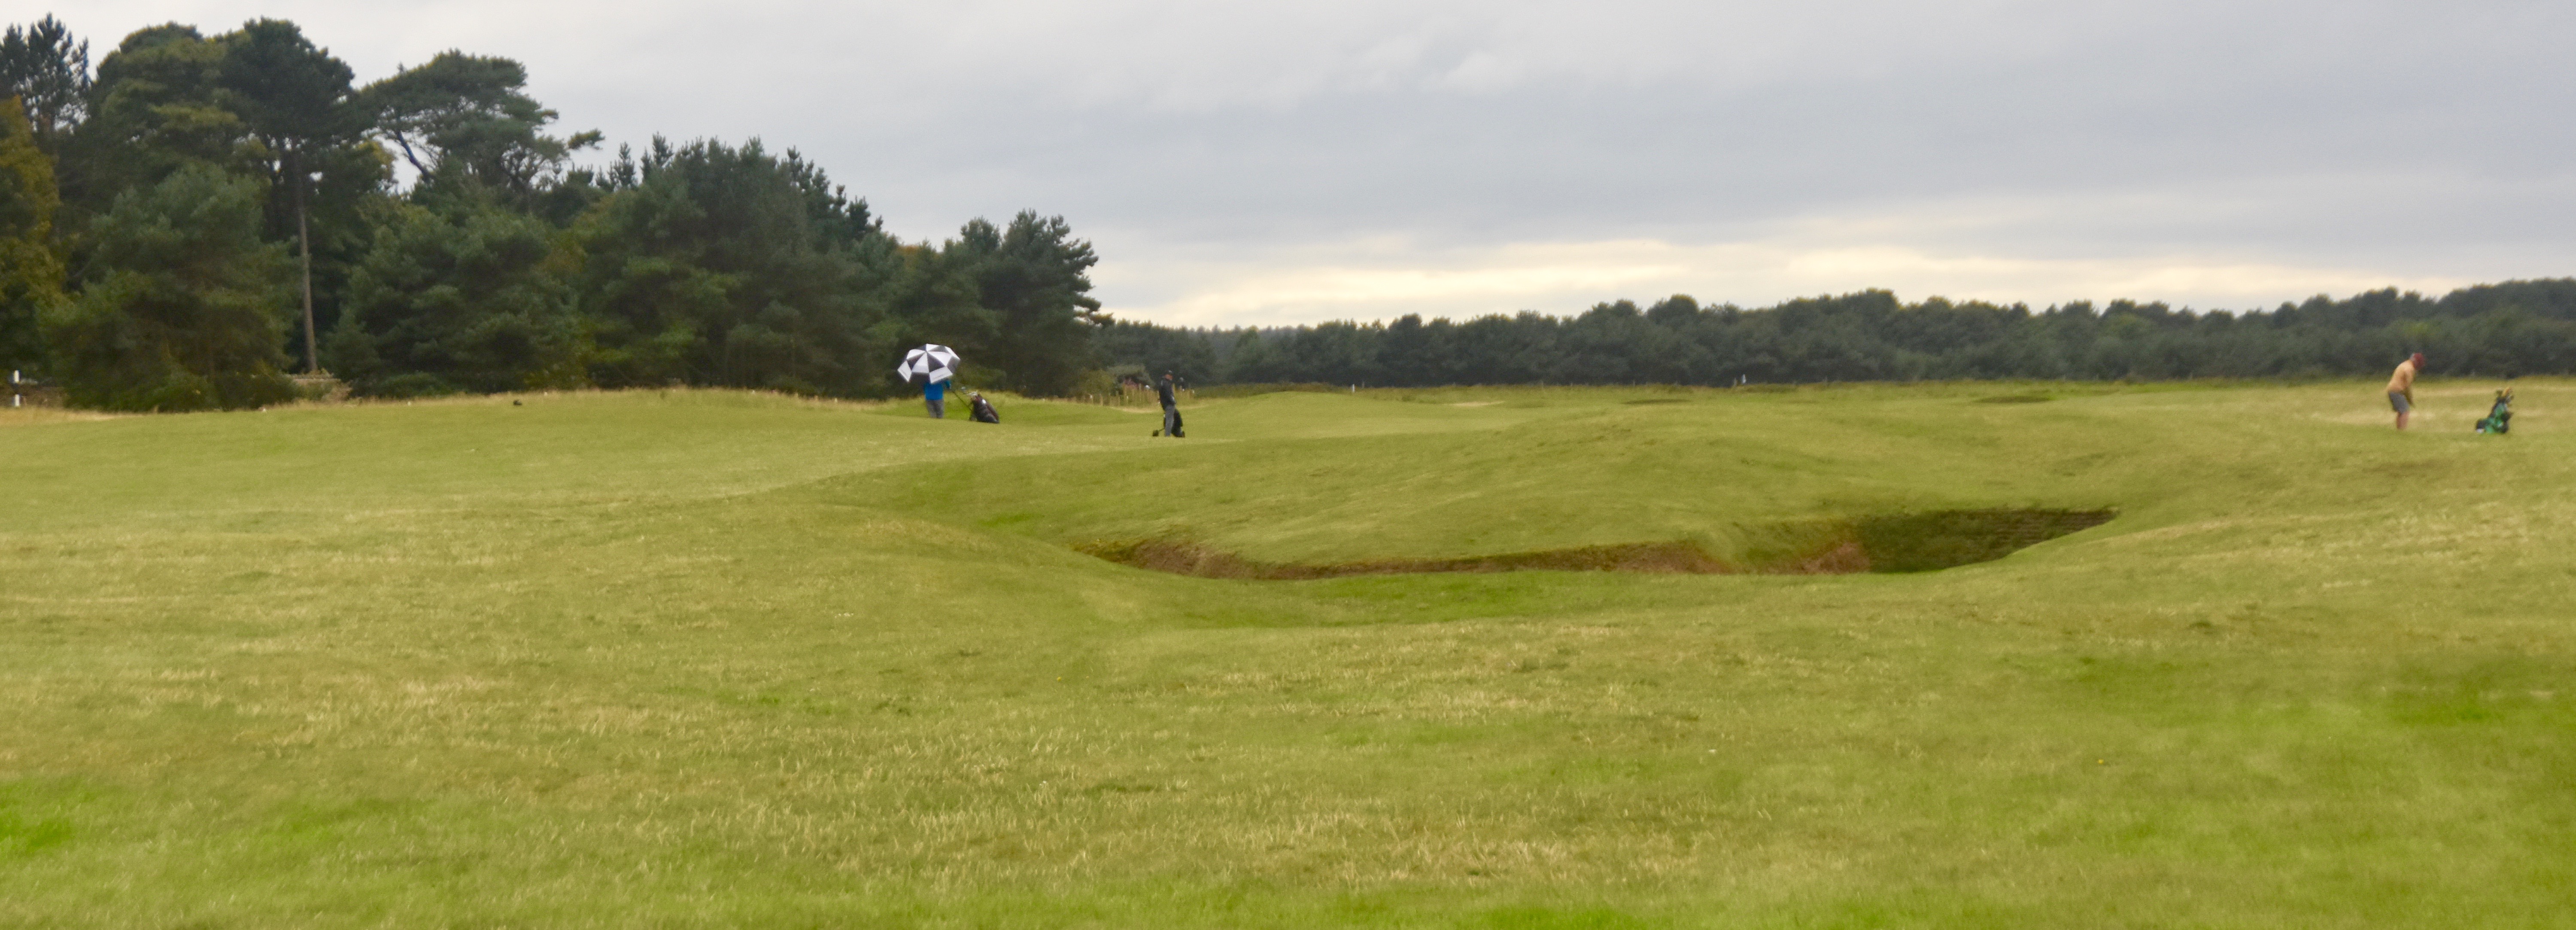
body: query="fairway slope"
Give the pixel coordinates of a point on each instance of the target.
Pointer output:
(705, 658)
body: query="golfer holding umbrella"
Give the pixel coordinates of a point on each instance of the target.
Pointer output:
(930, 366)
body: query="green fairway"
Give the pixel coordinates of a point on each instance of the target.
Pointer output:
(702, 658)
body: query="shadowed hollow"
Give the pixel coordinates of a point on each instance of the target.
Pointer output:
(1889, 543)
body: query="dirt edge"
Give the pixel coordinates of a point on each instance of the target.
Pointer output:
(1886, 543)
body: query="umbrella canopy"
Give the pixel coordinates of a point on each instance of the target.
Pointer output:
(929, 364)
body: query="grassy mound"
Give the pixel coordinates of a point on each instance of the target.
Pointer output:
(685, 658)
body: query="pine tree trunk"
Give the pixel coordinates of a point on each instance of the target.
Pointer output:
(304, 239)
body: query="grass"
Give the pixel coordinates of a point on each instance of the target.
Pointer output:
(697, 658)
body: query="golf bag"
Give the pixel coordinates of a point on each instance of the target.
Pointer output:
(1171, 424)
(2500, 417)
(983, 411)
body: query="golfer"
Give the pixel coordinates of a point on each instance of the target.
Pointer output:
(2401, 387)
(935, 396)
(1171, 407)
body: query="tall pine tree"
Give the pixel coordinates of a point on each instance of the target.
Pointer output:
(295, 100)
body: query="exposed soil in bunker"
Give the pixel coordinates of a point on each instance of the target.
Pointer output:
(1886, 543)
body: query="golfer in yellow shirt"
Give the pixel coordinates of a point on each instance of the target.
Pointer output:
(2401, 387)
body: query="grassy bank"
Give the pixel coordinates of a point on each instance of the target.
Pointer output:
(678, 658)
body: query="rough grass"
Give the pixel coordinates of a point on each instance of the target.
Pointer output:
(699, 658)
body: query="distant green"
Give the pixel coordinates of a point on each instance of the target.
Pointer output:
(694, 658)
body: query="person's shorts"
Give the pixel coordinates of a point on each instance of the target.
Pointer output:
(2397, 402)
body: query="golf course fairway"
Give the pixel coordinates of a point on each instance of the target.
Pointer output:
(701, 658)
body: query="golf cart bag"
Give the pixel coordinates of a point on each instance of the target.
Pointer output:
(1171, 424)
(983, 411)
(2500, 417)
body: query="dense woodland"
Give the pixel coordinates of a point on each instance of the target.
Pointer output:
(200, 216)
(2502, 330)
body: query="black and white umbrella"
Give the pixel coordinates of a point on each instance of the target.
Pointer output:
(929, 364)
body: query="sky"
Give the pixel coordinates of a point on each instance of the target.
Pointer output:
(1259, 163)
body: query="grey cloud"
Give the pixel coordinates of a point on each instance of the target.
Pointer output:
(2425, 141)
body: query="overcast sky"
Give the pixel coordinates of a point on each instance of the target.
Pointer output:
(1271, 163)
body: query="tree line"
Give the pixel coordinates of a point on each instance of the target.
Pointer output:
(2502, 330)
(199, 216)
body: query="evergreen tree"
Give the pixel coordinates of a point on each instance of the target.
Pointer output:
(466, 121)
(295, 101)
(931, 297)
(467, 298)
(31, 271)
(731, 267)
(156, 107)
(48, 71)
(1034, 277)
(182, 306)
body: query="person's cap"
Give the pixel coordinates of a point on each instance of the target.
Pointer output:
(2418, 359)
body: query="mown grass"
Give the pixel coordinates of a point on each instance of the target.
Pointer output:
(695, 658)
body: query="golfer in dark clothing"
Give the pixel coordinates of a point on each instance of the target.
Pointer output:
(1171, 408)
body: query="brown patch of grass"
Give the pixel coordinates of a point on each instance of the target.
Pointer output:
(30, 415)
